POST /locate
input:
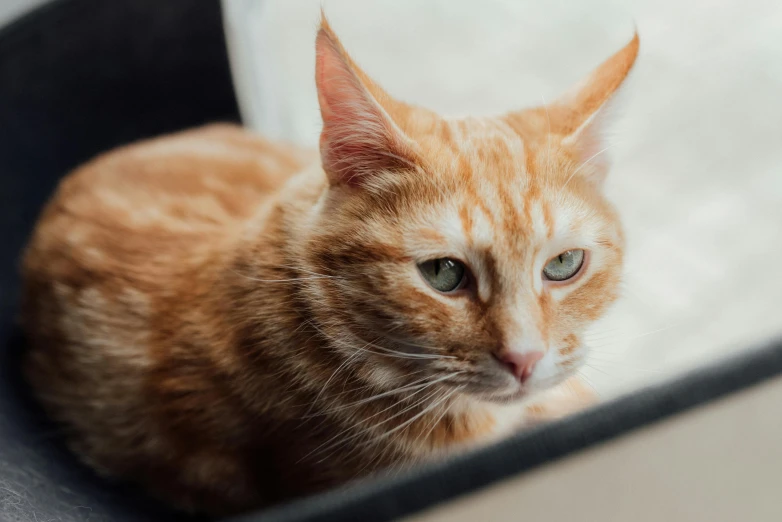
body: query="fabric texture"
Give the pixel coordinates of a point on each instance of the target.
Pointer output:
(78, 77)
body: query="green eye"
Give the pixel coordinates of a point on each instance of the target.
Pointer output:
(564, 266)
(444, 274)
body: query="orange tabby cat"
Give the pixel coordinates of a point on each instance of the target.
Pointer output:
(230, 323)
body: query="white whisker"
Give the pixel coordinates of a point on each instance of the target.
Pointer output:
(330, 444)
(583, 164)
(418, 386)
(288, 280)
(418, 415)
(320, 393)
(645, 334)
(435, 423)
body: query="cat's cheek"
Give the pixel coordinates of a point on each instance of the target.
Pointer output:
(560, 362)
(385, 376)
(546, 371)
(568, 398)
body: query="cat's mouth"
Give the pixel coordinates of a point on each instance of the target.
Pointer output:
(512, 397)
(502, 387)
(495, 391)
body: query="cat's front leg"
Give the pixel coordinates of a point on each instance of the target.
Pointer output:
(570, 397)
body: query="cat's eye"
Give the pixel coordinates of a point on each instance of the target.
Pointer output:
(444, 274)
(564, 266)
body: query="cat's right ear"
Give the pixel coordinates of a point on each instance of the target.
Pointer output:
(588, 111)
(359, 140)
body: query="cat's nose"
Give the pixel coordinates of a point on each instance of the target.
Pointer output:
(521, 364)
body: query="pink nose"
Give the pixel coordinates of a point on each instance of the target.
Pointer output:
(521, 364)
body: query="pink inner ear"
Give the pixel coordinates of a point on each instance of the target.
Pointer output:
(358, 140)
(330, 72)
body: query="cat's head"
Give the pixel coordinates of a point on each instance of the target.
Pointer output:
(474, 251)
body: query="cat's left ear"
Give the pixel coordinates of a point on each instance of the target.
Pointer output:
(588, 108)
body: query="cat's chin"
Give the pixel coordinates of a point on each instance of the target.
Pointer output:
(520, 393)
(504, 397)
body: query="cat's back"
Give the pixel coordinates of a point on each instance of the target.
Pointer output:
(185, 183)
(126, 238)
(139, 224)
(116, 290)
(161, 201)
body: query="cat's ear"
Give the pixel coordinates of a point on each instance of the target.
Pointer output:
(588, 111)
(359, 140)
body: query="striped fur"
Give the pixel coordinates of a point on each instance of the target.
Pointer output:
(230, 323)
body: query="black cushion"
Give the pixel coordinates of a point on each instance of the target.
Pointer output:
(78, 77)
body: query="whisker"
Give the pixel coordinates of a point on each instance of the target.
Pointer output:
(335, 372)
(406, 355)
(583, 164)
(434, 425)
(418, 385)
(343, 285)
(627, 366)
(385, 352)
(304, 324)
(289, 280)
(414, 345)
(306, 271)
(645, 334)
(418, 355)
(418, 415)
(597, 369)
(373, 385)
(358, 389)
(330, 444)
(586, 380)
(602, 336)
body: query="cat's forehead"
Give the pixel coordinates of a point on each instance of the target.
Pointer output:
(515, 220)
(488, 155)
(504, 193)
(472, 147)
(483, 135)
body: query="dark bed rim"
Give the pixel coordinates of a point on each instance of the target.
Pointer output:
(391, 498)
(30, 16)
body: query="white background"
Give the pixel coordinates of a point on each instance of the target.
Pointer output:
(697, 149)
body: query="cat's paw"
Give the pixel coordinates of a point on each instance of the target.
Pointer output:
(570, 397)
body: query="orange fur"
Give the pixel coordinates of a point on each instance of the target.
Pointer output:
(230, 323)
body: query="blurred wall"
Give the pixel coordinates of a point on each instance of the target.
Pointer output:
(696, 147)
(10, 9)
